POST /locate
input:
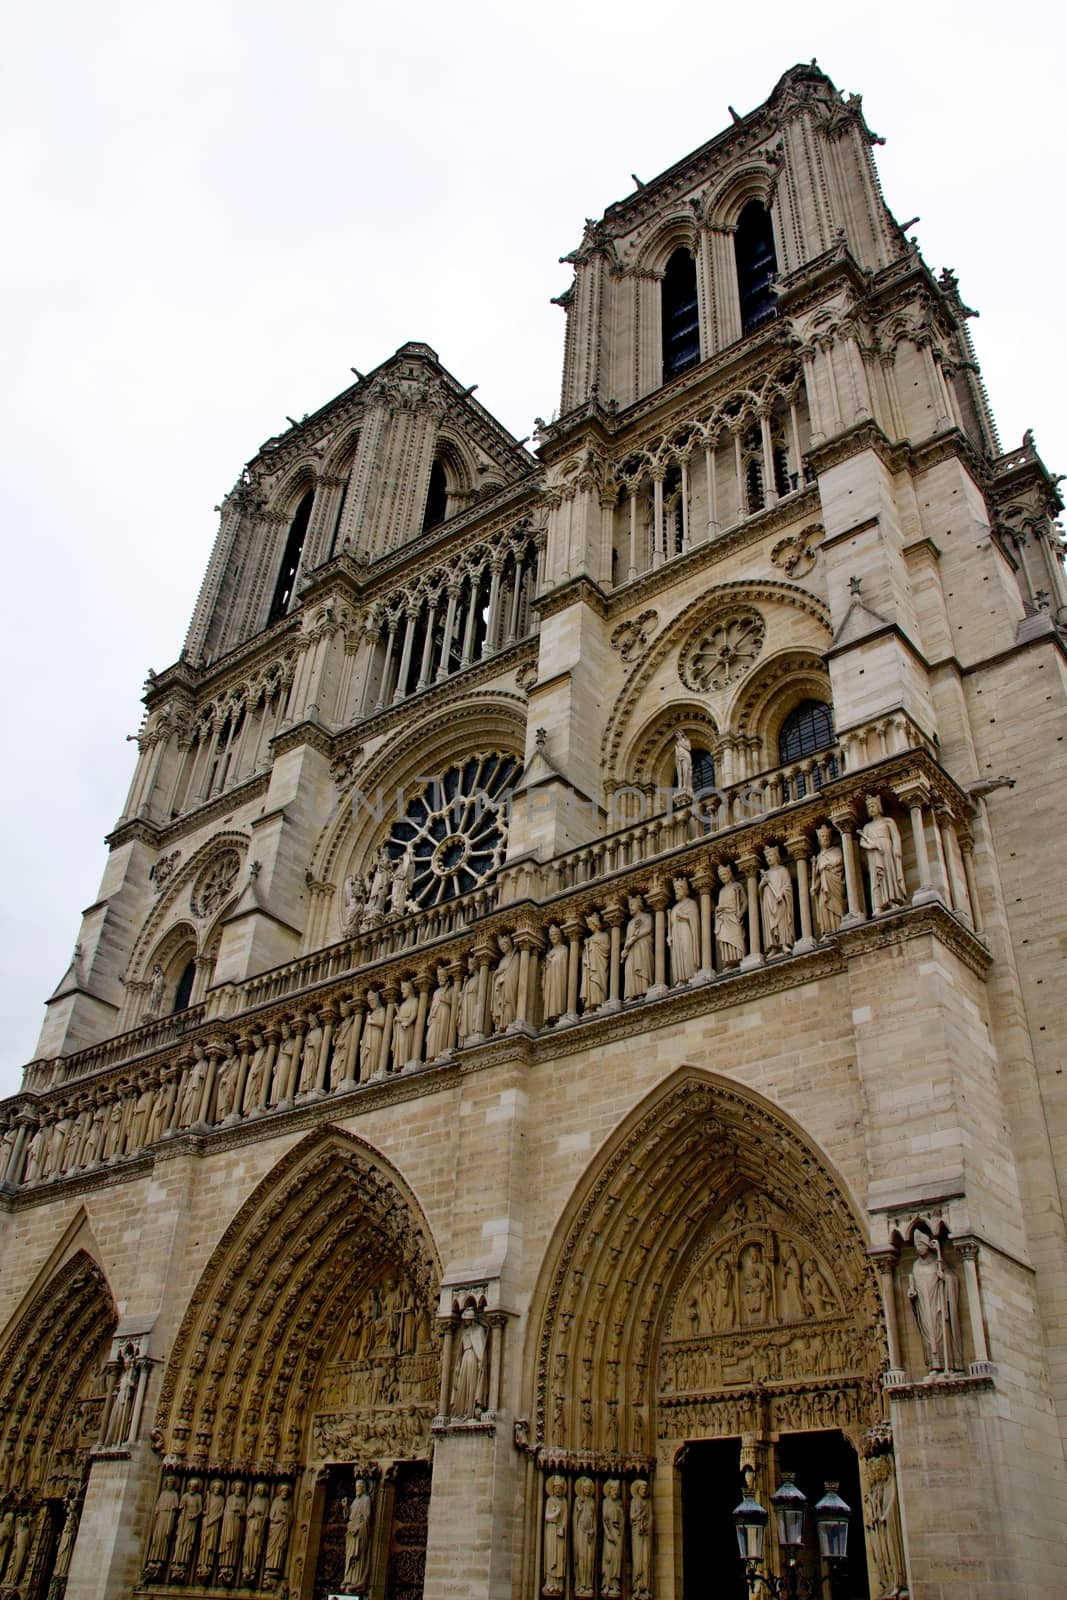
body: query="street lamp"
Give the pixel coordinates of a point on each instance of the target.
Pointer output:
(750, 1523)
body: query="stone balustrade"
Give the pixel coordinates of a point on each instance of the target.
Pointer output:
(862, 847)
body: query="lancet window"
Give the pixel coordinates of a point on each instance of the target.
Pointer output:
(757, 264)
(294, 546)
(681, 324)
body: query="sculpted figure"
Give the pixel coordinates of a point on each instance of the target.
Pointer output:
(756, 1286)
(933, 1290)
(818, 1300)
(355, 900)
(792, 1297)
(883, 1526)
(637, 951)
(254, 1085)
(722, 1309)
(357, 1541)
(640, 1541)
(225, 1083)
(439, 1017)
(370, 1046)
(284, 1086)
(683, 933)
(190, 1510)
(683, 761)
(163, 1520)
(279, 1522)
(583, 1526)
(730, 911)
(828, 897)
(505, 998)
(7, 1532)
(403, 1041)
(23, 1530)
(469, 1020)
(555, 1568)
(233, 1520)
(611, 1540)
(341, 1054)
(381, 878)
(189, 1103)
(467, 1386)
(554, 976)
(880, 838)
(255, 1531)
(155, 992)
(65, 1549)
(403, 878)
(776, 903)
(211, 1528)
(309, 1061)
(596, 956)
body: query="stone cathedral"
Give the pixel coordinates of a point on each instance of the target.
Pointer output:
(567, 1044)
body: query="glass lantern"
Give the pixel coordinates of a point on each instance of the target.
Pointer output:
(750, 1523)
(831, 1518)
(789, 1508)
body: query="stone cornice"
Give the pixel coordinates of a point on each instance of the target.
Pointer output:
(205, 682)
(191, 821)
(581, 590)
(298, 734)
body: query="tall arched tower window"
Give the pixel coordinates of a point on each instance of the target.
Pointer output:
(283, 591)
(436, 497)
(681, 323)
(756, 265)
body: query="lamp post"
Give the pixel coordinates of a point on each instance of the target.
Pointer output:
(750, 1524)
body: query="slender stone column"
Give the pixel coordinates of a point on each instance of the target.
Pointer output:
(427, 645)
(770, 488)
(423, 983)
(800, 850)
(844, 820)
(468, 630)
(916, 796)
(405, 657)
(885, 1260)
(967, 852)
(573, 930)
(685, 505)
(614, 916)
(328, 1017)
(980, 1367)
(272, 1035)
(657, 519)
(658, 898)
(483, 954)
(450, 624)
(391, 992)
(631, 570)
(703, 881)
(244, 1045)
(492, 619)
(457, 971)
(749, 865)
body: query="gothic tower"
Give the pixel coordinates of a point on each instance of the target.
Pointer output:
(567, 1040)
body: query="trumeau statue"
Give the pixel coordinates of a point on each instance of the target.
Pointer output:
(880, 838)
(828, 883)
(611, 1532)
(933, 1290)
(358, 1541)
(730, 911)
(555, 1536)
(883, 1527)
(637, 951)
(554, 976)
(776, 903)
(683, 933)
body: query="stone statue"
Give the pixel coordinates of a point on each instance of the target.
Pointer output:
(504, 1004)
(190, 1510)
(637, 951)
(611, 1527)
(309, 1060)
(683, 933)
(469, 1020)
(828, 897)
(189, 1102)
(554, 975)
(233, 1519)
(65, 1548)
(163, 1519)
(288, 1046)
(792, 1300)
(596, 957)
(756, 1289)
(883, 1527)
(880, 838)
(722, 1312)
(404, 1018)
(225, 1083)
(776, 903)
(817, 1296)
(439, 1017)
(640, 1541)
(254, 1085)
(730, 911)
(370, 1046)
(341, 1053)
(255, 1531)
(381, 878)
(683, 761)
(403, 878)
(279, 1522)
(23, 1530)
(357, 1541)
(355, 900)
(555, 1568)
(933, 1290)
(583, 1533)
(468, 1383)
(211, 1528)
(155, 992)
(7, 1532)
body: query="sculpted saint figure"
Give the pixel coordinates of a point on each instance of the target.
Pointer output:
(254, 1085)
(583, 1528)
(683, 933)
(756, 1286)
(65, 1549)
(792, 1298)
(683, 761)
(403, 1042)
(23, 1529)
(189, 1103)
(211, 1528)
(163, 1520)
(730, 911)
(155, 992)
(818, 1299)
(7, 1531)
(284, 1065)
(355, 900)
(554, 976)
(309, 1061)
(255, 1531)
(370, 1046)
(381, 879)
(279, 1521)
(439, 1017)
(933, 1290)
(469, 1020)
(467, 1386)
(233, 1518)
(555, 1570)
(611, 1540)
(776, 903)
(880, 839)
(357, 1541)
(225, 1083)
(640, 1541)
(828, 896)
(883, 1527)
(190, 1510)
(596, 955)
(637, 951)
(505, 999)
(403, 878)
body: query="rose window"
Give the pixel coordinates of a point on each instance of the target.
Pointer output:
(456, 827)
(715, 656)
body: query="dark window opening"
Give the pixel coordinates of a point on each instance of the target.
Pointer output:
(672, 512)
(807, 728)
(703, 771)
(294, 545)
(185, 986)
(756, 265)
(782, 480)
(436, 498)
(681, 323)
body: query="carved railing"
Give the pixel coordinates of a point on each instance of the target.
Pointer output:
(868, 845)
(141, 1041)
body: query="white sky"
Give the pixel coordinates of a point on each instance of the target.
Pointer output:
(214, 210)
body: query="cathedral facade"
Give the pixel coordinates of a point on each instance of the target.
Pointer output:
(558, 1051)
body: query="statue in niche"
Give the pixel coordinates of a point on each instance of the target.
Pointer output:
(283, 1066)
(817, 1296)
(730, 911)
(155, 992)
(933, 1290)
(640, 1541)
(554, 975)
(406, 1015)
(403, 878)
(776, 903)
(279, 1522)
(439, 1018)
(880, 838)
(341, 1052)
(355, 902)
(189, 1103)
(883, 1527)
(309, 1061)
(722, 1313)
(163, 1519)
(583, 1533)
(470, 1022)
(255, 1530)
(637, 963)
(555, 1569)
(370, 1046)
(225, 1083)
(468, 1385)
(828, 897)
(596, 957)
(683, 933)
(65, 1549)
(233, 1519)
(792, 1299)
(23, 1530)
(756, 1288)
(683, 761)
(7, 1531)
(505, 998)
(211, 1528)
(357, 1541)
(611, 1526)
(254, 1086)
(381, 879)
(190, 1510)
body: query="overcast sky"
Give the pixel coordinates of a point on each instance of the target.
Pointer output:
(214, 210)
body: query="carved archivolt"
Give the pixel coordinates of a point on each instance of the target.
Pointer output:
(184, 891)
(330, 1237)
(774, 689)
